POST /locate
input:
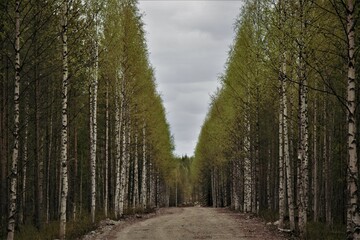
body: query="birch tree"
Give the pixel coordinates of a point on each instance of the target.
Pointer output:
(285, 171)
(303, 158)
(282, 200)
(15, 153)
(247, 170)
(64, 121)
(93, 120)
(353, 215)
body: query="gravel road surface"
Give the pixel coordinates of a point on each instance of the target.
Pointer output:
(196, 223)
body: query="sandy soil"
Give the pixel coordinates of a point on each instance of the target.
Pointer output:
(193, 223)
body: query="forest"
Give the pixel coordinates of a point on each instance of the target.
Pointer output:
(280, 135)
(84, 134)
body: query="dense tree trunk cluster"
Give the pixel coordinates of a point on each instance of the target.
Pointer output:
(83, 132)
(281, 133)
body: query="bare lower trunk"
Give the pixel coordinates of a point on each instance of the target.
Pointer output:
(288, 170)
(24, 164)
(304, 139)
(49, 155)
(176, 188)
(4, 142)
(93, 131)
(64, 141)
(123, 170)
(315, 177)
(235, 185)
(143, 181)
(118, 128)
(106, 191)
(136, 174)
(328, 182)
(75, 183)
(38, 158)
(247, 170)
(15, 154)
(213, 189)
(152, 184)
(284, 166)
(128, 161)
(353, 210)
(282, 203)
(157, 189)
(268, 184)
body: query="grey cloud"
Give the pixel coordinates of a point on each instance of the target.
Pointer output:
(188, 43)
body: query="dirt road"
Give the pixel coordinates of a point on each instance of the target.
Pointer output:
(196, 223)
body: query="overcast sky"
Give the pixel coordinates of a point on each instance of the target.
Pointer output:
(188, 43)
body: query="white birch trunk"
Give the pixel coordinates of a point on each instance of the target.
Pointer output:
(282, 203)
(303, 155)
(123, 171)
(15, 154)
(282, 151)
(304, 138)
(288, 170)
(353, 212)
(151, 181)
(64, 141)
(247, 169)
(91, 140)
(289, 175)
(93, 128)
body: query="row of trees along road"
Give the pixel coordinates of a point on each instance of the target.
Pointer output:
(280, 134)
(83, 133)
